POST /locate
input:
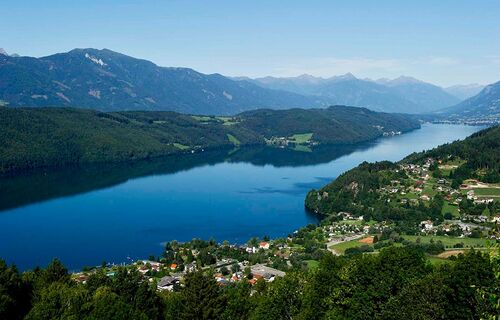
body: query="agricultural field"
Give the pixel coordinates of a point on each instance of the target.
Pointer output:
(301, 138)
(180, 146)
(228, 121)
(343, 246)
(233, 139)
(449, 241)
(487, 192)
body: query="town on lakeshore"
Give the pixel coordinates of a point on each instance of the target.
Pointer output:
(470, 220)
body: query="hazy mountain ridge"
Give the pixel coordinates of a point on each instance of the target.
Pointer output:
(465, 91)
(403, 94)
(481, 108)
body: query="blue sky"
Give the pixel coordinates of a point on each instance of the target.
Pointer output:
(445, 42)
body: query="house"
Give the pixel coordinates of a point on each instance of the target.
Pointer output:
(251, 249)
(143, 269)
(496, 218)
(260, 271)
(264, 245)
(446, 227)
(480, 201)
(167, 283)
(82, 278)
(426, 225)
(425, 197)
(470, 195)
(173, 266)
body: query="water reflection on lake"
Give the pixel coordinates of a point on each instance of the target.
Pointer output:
(107, 213)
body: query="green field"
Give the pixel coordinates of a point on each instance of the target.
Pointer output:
(447, 207)
(487, 192)
(435, 261)
(449, 241)
(233, 139)
(341, 247)
(312, 264)
(301, 138)
(228, 121)
(202, 118)
(180, 146)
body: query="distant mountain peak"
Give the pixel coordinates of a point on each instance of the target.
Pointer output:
(405, 80)
(110, 81)
(2, 51)
(344, 77)
(306, 76)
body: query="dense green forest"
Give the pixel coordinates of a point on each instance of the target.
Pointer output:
(39, 137)
(481, 152)
(397, 283)
(331, 125)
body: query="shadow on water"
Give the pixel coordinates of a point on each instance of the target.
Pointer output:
(46, 184)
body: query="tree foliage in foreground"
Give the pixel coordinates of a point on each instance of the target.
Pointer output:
(394, 284)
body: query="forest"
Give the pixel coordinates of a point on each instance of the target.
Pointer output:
(397, 283)
(57, 137)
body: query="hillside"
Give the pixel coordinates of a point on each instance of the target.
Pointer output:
(34, 137)
(109, 81)
(359, 190)
(465, 91)
(481, 108)
(404, 94)
(338, 124)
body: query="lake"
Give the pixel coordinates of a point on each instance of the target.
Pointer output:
(112, 213)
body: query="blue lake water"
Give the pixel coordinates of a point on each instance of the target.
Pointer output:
(85, 216)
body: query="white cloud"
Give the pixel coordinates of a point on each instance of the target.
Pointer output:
(439, 61)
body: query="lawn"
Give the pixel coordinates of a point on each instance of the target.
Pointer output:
(312, 264)
(436, 261)
(447, 207)
(445, 172)
(301, 138)
(449, 241)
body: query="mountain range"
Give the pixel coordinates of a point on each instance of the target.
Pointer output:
(481, 108)
(109, 81)
(403, 94)
(464, 91)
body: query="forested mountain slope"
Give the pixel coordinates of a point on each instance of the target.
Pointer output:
(33, 137)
